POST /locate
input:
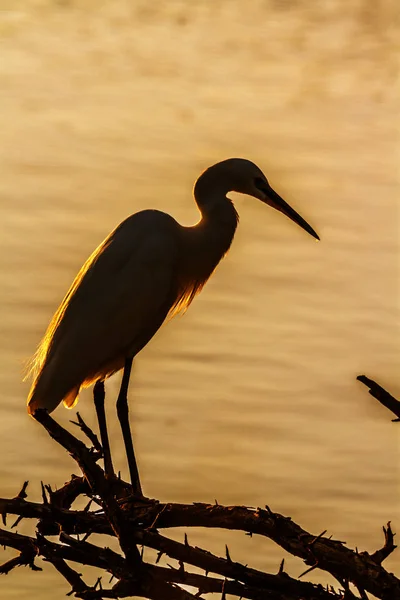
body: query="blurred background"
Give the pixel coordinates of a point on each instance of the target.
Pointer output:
(109, 107)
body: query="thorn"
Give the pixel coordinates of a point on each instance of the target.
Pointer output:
(269, 511)
(111, 578)
(18, 520)
(22, 494)
(78, 423)
(87, 534)
(228, 556)
(317, 538)
(44, 496)
(309, 570)
(4, 518)
(388, 529)
(186, 540)
(159, 555)
(141, 553)
(281, 567)
(216, 502)
(98, 584)
(88, 505)
(249, 533)
(181, 567)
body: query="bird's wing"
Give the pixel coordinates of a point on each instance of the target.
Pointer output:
(117, 302)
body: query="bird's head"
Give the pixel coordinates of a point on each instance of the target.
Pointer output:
(243, 176)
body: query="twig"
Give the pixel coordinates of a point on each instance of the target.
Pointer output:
(332, 556)
(389, 546)
(89, 433)
(22, 494)
(133, 521)
(97, 481)
(73, 577)
(382, 396)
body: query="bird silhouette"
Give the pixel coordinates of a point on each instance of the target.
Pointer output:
(148, 268)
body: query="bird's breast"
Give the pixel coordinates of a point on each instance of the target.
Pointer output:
(201, 249)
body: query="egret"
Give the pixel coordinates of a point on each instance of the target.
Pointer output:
(149, 268)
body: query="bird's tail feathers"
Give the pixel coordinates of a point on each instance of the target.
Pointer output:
(31, 366)
(48, 391)
(71, 399)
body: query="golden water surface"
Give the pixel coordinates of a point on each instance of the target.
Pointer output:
(109, 107)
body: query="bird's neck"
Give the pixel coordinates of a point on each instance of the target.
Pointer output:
(204, 244)
(219, 220)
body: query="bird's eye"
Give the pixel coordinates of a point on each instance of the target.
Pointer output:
(260, 182)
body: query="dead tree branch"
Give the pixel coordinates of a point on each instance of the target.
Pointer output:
(114, 511)
(382, 396)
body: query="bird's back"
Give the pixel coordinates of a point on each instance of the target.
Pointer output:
(147, 267)
(118, 299)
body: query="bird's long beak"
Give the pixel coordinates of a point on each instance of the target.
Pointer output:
(274, 200)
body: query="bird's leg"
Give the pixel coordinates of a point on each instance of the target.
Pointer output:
(123, 416)
(99, 396)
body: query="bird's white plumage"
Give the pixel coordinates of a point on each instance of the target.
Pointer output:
(147, 267)
(122, 290)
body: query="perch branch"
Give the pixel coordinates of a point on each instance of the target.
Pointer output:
(137, 521)
(98, 482)
(337, 559)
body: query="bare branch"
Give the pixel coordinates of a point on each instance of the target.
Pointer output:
(89, 434)
(382, 395)
(316, 551)
(133, 521)
(389, 546)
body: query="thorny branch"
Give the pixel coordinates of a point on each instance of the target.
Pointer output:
(382, 395)
(113, 511)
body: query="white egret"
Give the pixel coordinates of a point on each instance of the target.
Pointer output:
(148, 268)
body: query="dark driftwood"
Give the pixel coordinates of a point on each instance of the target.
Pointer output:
(114, 511)
(382, 395)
